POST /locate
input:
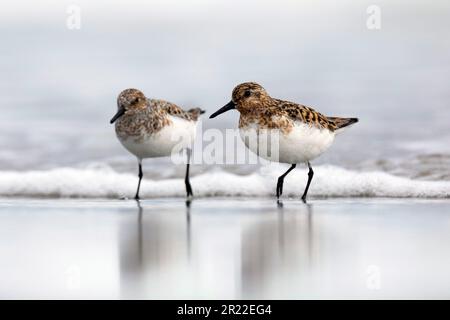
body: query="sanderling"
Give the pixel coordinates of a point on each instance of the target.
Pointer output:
(151, 128)
(303, 133)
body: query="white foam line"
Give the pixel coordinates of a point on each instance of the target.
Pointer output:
(329, 181)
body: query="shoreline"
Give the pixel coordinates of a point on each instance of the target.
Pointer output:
(329, 182)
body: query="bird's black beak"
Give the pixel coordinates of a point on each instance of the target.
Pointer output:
(119, 113)
(229, 106)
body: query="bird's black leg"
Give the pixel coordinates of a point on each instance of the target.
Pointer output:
(140, 178)
(281, 181)
(310, 176)
(186, 179)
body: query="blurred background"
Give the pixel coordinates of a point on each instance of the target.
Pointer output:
(58, 85)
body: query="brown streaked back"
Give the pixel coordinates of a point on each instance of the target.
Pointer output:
(310, 116)
(174, 110)
(298, 112)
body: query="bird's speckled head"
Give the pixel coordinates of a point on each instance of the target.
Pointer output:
(246, 97)
(129, 100)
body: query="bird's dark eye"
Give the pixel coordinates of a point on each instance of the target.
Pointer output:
(135, 100)
(247, 93)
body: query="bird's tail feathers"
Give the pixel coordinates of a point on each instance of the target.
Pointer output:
(341, 123)
(196, 112)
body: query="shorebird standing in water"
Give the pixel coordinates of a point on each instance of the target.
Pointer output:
(303, 133)
(151, 128)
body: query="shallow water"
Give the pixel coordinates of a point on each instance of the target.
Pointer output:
(225, 248)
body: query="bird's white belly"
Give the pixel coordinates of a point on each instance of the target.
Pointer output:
(303, 143)
(178, 135)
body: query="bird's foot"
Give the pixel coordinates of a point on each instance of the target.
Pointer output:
(189, 195)
(279, 204)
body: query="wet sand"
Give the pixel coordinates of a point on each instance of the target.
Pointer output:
(225, 248)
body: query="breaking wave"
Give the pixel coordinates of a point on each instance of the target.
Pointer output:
(104, 182)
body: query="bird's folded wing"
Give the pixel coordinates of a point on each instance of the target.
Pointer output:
(173, 110)
(298, 112)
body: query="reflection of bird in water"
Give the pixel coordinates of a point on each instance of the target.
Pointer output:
(280, 207)
(275, 247)
(155, 239)
(188, 227)
(310, 233)
(131, 253)
(140, 244)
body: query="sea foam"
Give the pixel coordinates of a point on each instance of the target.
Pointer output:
(329, 181)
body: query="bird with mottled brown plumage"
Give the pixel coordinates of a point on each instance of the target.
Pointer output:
(301, 133)
(150, 128)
